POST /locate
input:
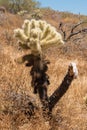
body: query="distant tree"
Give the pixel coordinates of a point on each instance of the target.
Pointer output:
(15, 6)
(30, 5)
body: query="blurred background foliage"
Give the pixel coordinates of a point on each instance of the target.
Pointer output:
(14, 6)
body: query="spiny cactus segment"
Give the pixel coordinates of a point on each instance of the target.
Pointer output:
(37, 35)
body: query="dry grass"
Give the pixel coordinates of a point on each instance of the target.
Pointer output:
(70, 113)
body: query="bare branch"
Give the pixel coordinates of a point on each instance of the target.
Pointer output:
(76, 25)
(75, 33)
(61, 28)
(72, 31)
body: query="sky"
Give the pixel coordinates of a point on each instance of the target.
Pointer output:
(73, 6)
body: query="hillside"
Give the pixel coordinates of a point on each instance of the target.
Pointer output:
(70, 113)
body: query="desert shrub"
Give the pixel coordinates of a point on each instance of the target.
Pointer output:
(18, 106)
(36, 14)
(15, 6)
(18, 102)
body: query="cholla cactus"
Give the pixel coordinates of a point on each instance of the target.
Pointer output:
(22, 12)
(37, 35)
(37, 14)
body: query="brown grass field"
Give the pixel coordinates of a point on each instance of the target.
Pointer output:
(70, 113)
